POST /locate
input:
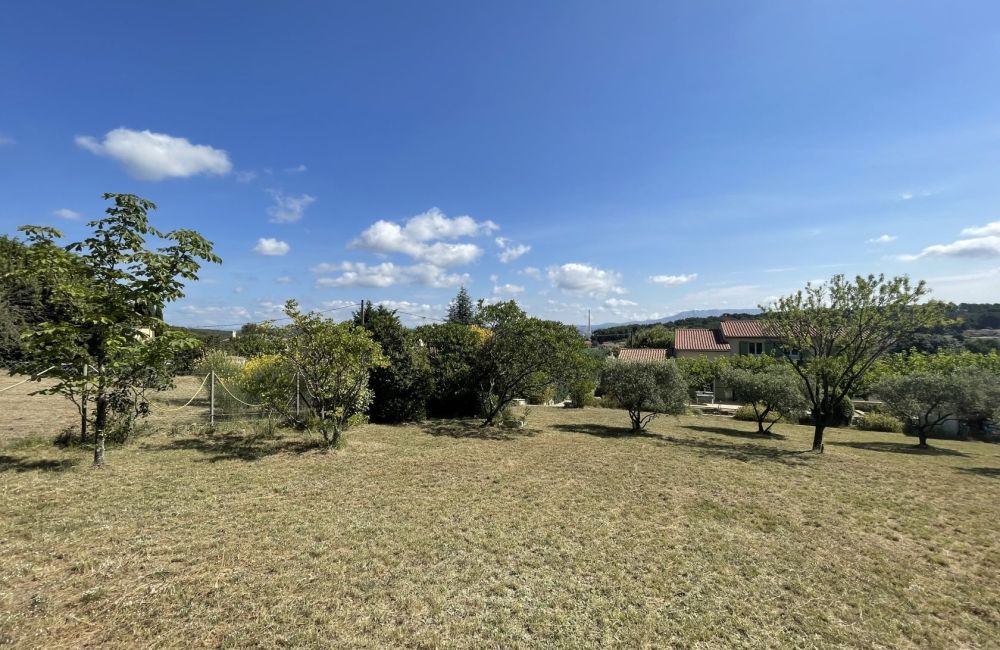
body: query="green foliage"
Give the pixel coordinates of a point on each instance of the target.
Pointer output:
(581, 392)
(106, 295)
(452, 351)
(520, 353)
(225, 366)
(539, 390)
(333, 362)
(701, 372)
(461, 311)
(400, 389)
(269, 380)
(841, 328)
(770, 388)
(258, 339)
(880, 422)
(650, 387)
(658, 336)
(756, 413)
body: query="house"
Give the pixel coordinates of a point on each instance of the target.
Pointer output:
(643, 354)
(733, 338)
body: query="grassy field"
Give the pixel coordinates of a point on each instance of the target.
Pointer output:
(567, 534)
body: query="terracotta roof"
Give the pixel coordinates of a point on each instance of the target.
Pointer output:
(743, 329)
(699, 340)
(642, 354)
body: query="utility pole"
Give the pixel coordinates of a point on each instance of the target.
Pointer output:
(362, 312)
(590, 335)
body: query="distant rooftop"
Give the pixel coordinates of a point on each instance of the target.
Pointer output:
(700, 340)
(642, 354)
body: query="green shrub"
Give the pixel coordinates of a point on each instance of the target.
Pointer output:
(880, 422)
(540, 394)
(746, 413)
(840, 419)
(582, 393)
(225, 366)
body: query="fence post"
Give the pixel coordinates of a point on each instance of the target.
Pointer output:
(211, 398)
(297, 400)
(83, 407)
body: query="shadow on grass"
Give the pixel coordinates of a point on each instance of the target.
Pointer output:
(231, 446)
(472, 430)
(745, 452)
(989, 472)
(14, 464)
(604, 431)
(736, 433)
(900, 448)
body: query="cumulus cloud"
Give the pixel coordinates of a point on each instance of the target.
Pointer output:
(66, 213)
(977, 247)
(297, 169)
(883, 239)
(619, 302)
(531, 272)
(153, 156)
(288, 209)
(283, 279)
(245, 176)
(672, 280)
(583, 278)
(507, 289)
(509, 251)
(6, 140)
(992, 228)
(271, 247)
(386, 274)
(416, 238)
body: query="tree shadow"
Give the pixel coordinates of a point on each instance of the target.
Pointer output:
(231, 446)
(736, 433)
(604, 431)
(472, 430)
(744, 452)
(900, 448)
(989, 472)
(14, 464)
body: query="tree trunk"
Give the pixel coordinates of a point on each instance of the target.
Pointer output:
(100, 422)
(636, 417)
(922, 434)
(83, 421)
(760, 426)
(818, 436)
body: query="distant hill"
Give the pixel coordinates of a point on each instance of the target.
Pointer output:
(690, 318)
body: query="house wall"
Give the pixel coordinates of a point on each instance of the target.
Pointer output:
(687, 354)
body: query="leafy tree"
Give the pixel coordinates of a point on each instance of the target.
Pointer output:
(257, 339)
(461, 311)
(927, 399)
(658, 336)
(270, 381)
(333, 362)
(402, 388)
(452, 350)
(700, 372)
(645, 388)
(770, 391)
(110, 290)
(519, 352)
(841, 328)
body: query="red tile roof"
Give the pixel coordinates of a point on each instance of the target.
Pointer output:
(743, 329)
(699, 340)
(642, 354)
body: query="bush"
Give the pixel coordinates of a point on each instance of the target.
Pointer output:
(225, 366)
(582, 393)
(841, 419)
(540, 394)
(746, 413)
(880, 422)
(649, 387)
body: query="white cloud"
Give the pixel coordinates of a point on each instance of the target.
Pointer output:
(283, 279)
(66, 213)
(672, 280)
(509, 251)
(883, 239)
(992, 228)
(415, 236)
(288, 209)
(619, 302)
(583, 278)
(507, 290)
(978, 247)
(6, 140)
(297, 169)
(531, 272)
(386, 274)
(271, 247)
(245, 176)
(154, 156)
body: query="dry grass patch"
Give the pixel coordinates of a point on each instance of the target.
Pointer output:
(571, 533)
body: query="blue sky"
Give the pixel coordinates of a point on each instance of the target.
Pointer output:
(634, 158)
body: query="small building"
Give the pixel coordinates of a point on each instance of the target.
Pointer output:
(700, 342)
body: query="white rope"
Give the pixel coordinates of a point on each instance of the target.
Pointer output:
(28, 379)
(226, 388)
(196, 393)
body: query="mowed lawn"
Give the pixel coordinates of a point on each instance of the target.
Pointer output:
(567, 534)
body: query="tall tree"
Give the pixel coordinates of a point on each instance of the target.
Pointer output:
(111, 289)
(461, 310)
(841, 328)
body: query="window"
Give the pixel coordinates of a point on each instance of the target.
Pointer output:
(755, 348)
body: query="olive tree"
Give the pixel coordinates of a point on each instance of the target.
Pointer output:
(333, 362)
(769, 390)
(645, 389)
(840, 328)
(111, 288)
